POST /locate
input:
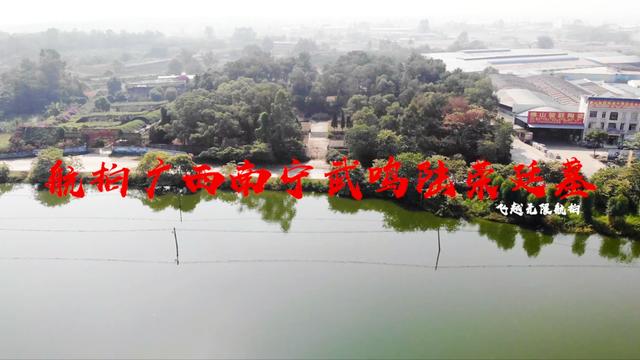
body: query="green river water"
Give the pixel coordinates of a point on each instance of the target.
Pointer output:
(271, 277)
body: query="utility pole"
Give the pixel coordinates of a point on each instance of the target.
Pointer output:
(175, 239)
(439, 249)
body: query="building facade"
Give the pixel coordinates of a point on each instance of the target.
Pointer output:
(618, 117)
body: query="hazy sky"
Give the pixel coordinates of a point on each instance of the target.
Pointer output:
(120, 14)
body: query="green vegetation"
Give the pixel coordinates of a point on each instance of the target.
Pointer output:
(4, 173)
(239, 116)
(102, 104)
(181, 164)
(41, 168)
(31, 87)
(413, 105)
(597, 137)
(4, 141)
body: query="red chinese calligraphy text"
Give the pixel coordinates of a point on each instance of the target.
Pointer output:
(479, 182)
(339, 178)
(299, 171)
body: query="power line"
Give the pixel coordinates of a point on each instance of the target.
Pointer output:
(83, 231)
(322, 261)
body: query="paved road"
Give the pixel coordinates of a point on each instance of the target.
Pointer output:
(317, 143)
(90, 162)
(524, 153)
(318, 140)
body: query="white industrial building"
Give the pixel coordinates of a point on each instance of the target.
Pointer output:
(606, 66)
(555, 95)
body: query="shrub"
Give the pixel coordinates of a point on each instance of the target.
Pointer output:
(41, 167)
(171, 94)
(4, 173)
(334, 155)
(181, 164)
(102, 104)
(156, 94)
(617, 207)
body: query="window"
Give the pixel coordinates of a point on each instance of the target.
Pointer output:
(634, 116)
(601, 125)
(632, 127)
(604, 114)
(593, 114)
(613, 115)
(611, 126)
(621, 126)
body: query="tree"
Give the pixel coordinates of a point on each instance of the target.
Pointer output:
(4, 173)
(545, 42)
(170, 93)
(586, 208)
(193, 110)
(114, 86)
(181, 164)
(357, 103)
(334, 121)
(487, 150)
(102, 104)
(597, 137)
(281, 129)
(31, 87)
(365, 116)
(388, 143)
(617, 208)
(156, 94)
(342, 120)
(41, 167)
(361, 141)
(503, 139)
(159, 135)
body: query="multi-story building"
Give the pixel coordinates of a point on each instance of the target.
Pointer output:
(619, 117)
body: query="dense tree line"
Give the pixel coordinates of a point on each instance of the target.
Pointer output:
(32, 86)
(239, 119)
(29, 44)
(390, 105)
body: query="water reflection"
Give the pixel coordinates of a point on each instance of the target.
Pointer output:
(5, 188)
(50, 200)
(533, 242)
(280, 208)
(504, 235)
(395, 216)
(579, 246)
(273, 207)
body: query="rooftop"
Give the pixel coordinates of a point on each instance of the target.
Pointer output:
(537, 61)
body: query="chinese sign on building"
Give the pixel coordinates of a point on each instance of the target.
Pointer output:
(555, 118)
(614, 104)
